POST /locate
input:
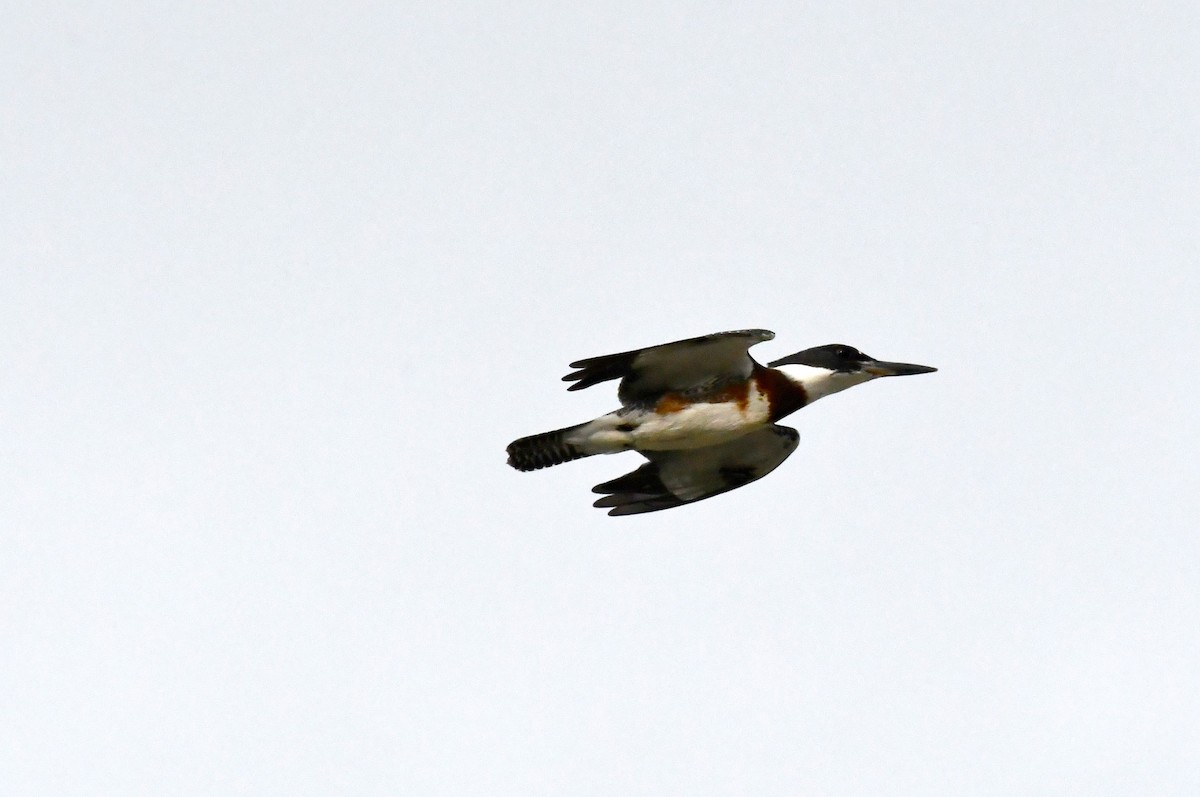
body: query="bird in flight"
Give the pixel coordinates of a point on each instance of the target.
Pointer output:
(702, 411)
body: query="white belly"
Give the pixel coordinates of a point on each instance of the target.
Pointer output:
(692, 426)
(699, 425)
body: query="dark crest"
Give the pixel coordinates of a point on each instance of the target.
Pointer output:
(834, 356)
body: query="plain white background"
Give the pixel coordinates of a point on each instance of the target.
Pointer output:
(281, 281)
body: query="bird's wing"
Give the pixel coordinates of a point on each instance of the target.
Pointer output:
(673, 478)
(692, 364)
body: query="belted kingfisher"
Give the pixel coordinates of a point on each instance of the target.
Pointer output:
(702, 410)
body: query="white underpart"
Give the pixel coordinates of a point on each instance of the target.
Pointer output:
(701, 425)
(695, 426)
(821, 382)
(602, 436)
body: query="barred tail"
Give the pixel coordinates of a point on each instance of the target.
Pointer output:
(543, 450)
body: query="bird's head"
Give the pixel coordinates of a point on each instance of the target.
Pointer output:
(825, 370)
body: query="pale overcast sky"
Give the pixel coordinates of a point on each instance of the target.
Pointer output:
(281, 281)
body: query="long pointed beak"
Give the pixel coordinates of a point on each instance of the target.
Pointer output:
(880, 368)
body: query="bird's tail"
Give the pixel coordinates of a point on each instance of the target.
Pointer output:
(545, 449)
